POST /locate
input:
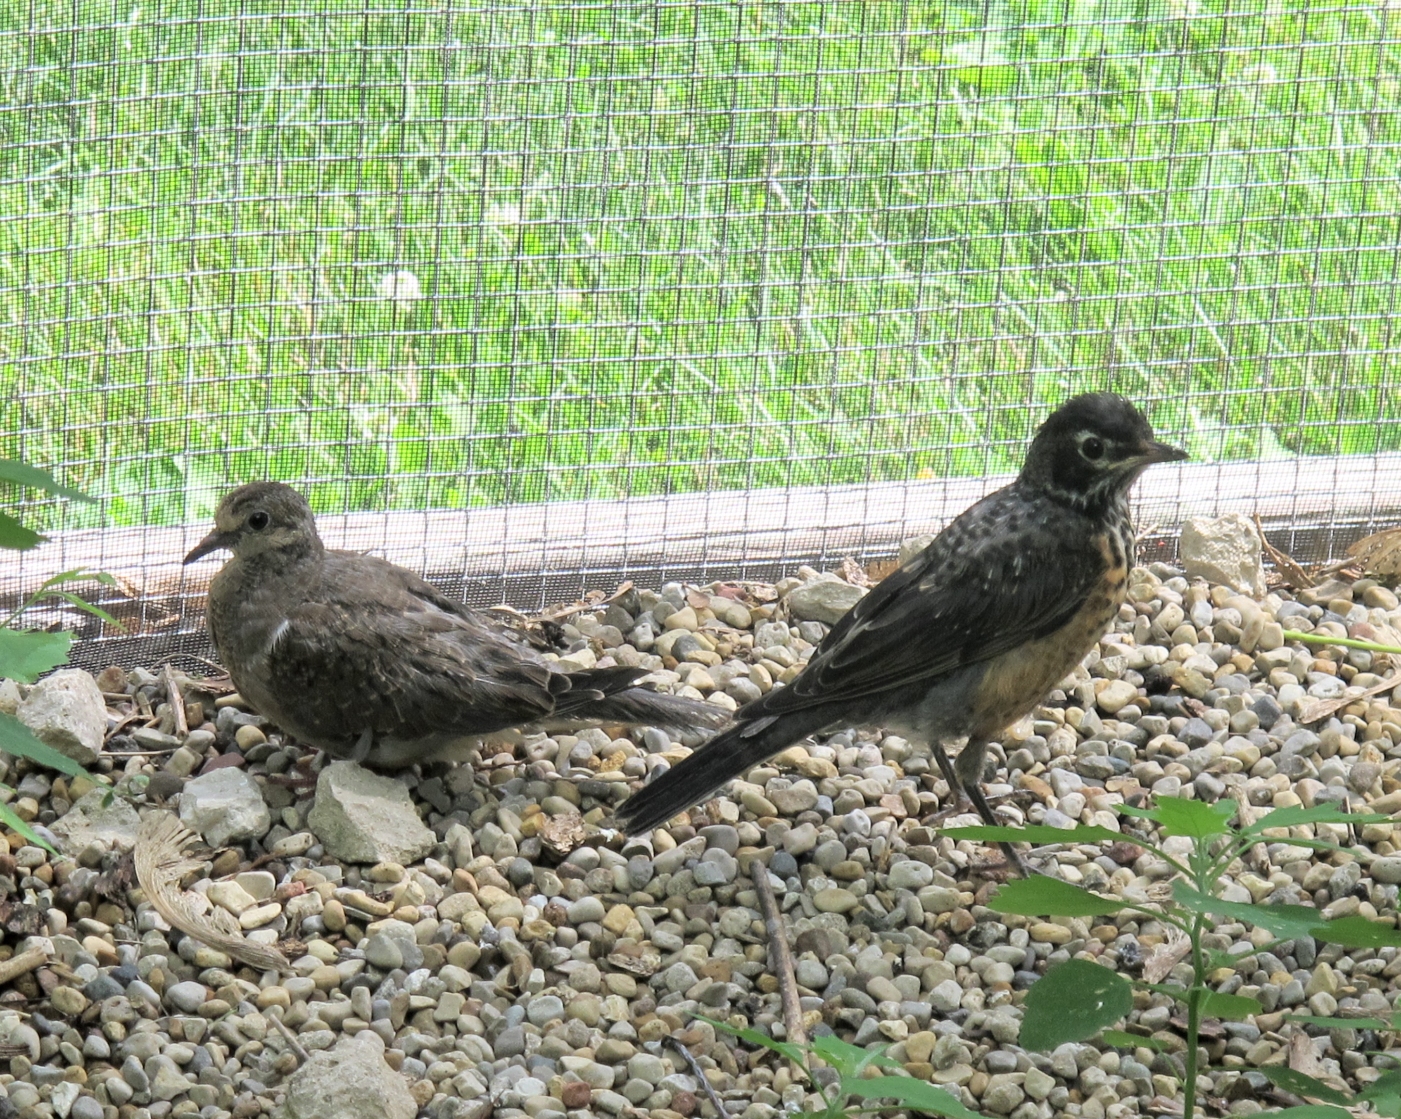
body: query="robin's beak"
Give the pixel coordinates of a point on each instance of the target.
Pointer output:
(1161, 452)
(211, 543)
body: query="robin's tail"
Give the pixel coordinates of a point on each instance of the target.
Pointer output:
(723, 758)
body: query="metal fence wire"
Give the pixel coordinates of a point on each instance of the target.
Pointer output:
(536, 296)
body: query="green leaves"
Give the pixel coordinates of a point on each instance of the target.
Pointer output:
(1384, 1094)
(13, 535)
(1122, 1039)
(31, 476)
(1288, 922)
(1050, 897)
(14, 823)
(788, 1049)
(851, 1064)
(1038, 833)
(1190, 818)
(1072, 1002)
(918, 1094)
(1298, 816)
(16, 738)
(26, 655)
(1233, 1008)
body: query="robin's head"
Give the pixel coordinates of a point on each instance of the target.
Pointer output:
(261, 518)
(1092, 449)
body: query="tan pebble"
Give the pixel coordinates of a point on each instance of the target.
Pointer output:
(273, 996)
(1044, 932)
(685, 618)
(260, 915)
(617, 919)
(231, 896)
(333, 915)
(248, 736)
(833, 900)
(325, 978)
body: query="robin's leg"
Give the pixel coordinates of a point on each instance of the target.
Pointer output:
(968, 773)
(958, 797)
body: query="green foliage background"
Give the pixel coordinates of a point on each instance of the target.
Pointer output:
(666, 246)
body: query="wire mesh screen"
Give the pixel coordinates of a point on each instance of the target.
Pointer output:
(540, 295)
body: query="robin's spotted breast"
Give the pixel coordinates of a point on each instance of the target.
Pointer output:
(368, 661)
(969, 635)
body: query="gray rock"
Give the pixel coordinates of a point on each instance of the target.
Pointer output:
(910, 875)
(1386, 869)
(823, 600)
(913, 546)
(186, 997)
(90, 822)
(84, 1107)
(225, 806)
(167, 1081)
(1225, 550)
(66, 711)
(383, 951)
(363, 818)
(350, 1081)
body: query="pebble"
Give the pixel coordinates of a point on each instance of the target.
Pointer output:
(458, 952)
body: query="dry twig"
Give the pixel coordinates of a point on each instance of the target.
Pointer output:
(161, 862)
(291, 1039)
(176, 701)
(1284, 562)
(779, 955)
(26, 961)
(699, 1073)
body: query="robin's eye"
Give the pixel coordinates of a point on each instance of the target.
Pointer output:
(258, 521)
(1092, 449)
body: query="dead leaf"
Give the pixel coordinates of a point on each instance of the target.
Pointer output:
(1295, 575)
(561, 834)
(1316, 709)
(854, 573)
(1379, 553)
(1159, 962)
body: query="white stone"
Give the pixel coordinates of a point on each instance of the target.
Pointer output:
(66, 711)
(350, 1081)
(89, 822)
(1225, 551)
(364, 818)
(225, 806)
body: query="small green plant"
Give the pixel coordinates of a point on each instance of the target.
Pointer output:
(853, 1066)
(1078, 999)
(26, 654)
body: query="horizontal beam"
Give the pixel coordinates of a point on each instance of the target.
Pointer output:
(522, 552)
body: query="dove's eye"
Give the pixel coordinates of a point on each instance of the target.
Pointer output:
(258, 521)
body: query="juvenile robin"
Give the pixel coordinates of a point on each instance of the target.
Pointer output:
(369, 662)
(970, 634)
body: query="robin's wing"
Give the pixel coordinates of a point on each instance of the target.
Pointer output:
(987, 583)
(380, 648)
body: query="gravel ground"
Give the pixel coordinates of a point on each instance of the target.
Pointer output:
(469, 939)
